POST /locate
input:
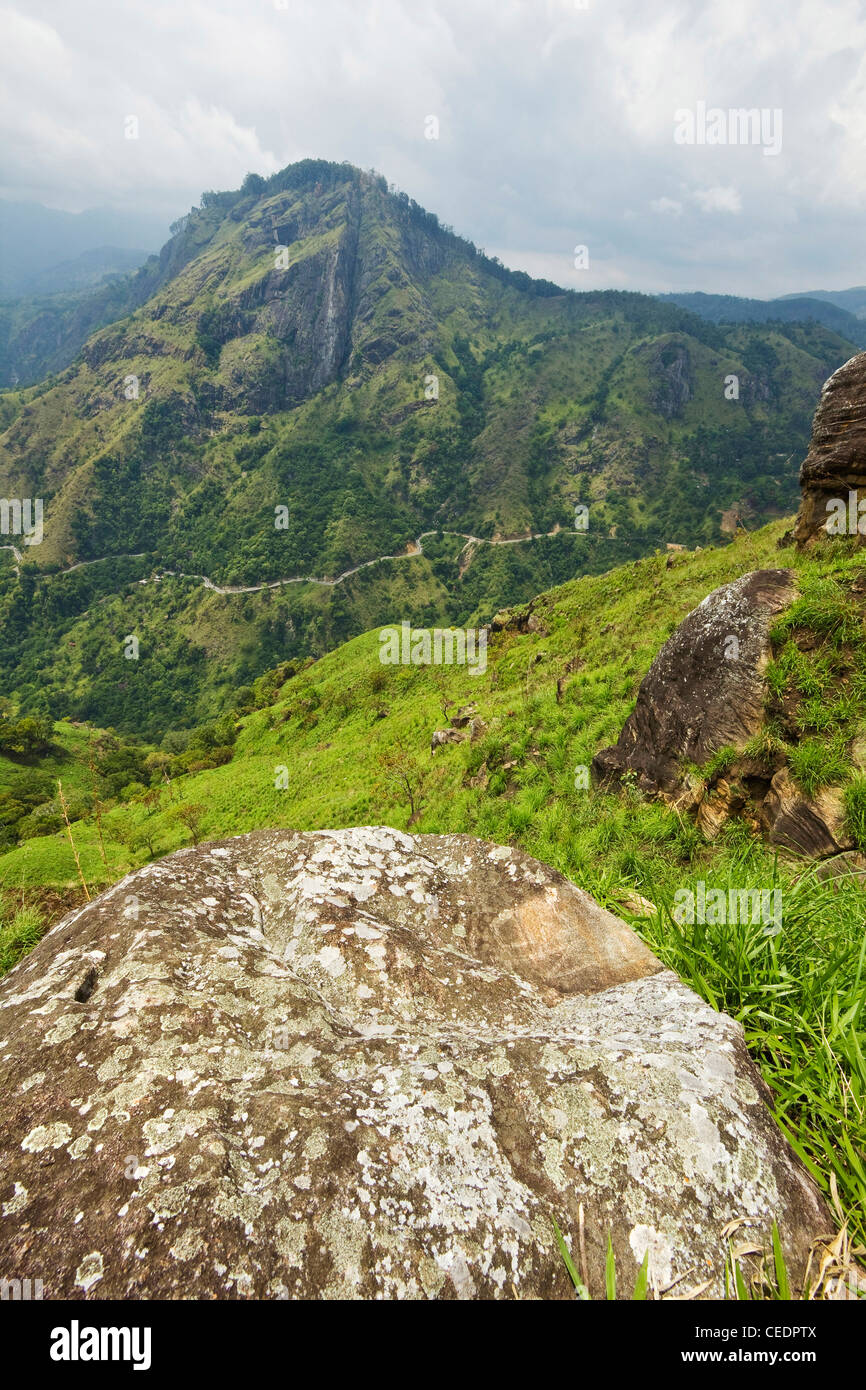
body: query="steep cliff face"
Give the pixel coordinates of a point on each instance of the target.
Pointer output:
(303, 313)
(835, 466)
(669, 369)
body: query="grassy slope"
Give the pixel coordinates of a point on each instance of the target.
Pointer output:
(334, 723)
(351, 732)
(67, 762)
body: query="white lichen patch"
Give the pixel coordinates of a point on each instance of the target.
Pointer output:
(90, 1271)
(51, 1136)
(661, 1247)
(331, 960)
(17, 1202)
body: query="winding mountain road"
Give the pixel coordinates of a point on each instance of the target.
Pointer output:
(414, 549)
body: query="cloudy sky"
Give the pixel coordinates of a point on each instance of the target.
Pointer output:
(556, 122)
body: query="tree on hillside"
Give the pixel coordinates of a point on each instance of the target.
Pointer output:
(30, 736)
(190, 815)
(136, 835)
(403, 776)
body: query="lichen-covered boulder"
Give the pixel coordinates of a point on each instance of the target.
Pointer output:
(705, 689)
(367, 1064)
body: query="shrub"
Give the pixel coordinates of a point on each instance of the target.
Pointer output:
(19, 933)
(132, 790)
(818, 763)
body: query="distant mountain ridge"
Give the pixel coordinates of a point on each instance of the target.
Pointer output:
(854, 300)
(87, 270)
(36, 242)
(830, 308)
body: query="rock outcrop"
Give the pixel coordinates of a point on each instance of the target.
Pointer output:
(705, 692)
(359, 1063)
(705, 689)
(813, 826)
(463, 725)
(835, 465)
(670, 372)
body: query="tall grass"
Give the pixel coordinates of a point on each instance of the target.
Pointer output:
(20, 929)
(800, 995)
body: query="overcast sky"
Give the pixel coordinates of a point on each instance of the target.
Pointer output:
(556, 122)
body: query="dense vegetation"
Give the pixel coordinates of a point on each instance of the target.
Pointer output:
(98, 769)
(252, 425)
(732, 308)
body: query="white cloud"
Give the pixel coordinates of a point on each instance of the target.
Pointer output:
(717, 199)
(556, 123)
(667, 206)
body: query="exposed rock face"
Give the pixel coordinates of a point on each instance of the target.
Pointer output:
(705, 689)
(670, 371)
(813, 826)
(523, 618)
(359, 1063)
(464, 725)
(443, 736)
(836, 462)
(704, 692)
(851, 865)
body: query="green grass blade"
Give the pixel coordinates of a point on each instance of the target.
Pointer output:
(779, 1262)
(580, 1287)
(742, 1292)
(640, 1287)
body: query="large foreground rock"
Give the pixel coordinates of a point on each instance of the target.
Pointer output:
(360, 1063)
(836, 462)
(705, 689)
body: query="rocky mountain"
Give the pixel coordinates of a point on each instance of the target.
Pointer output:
(318, 410)
(384, 1058)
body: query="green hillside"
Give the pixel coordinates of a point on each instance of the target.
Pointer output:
(336, 722)
(346, 740)
(313, 374)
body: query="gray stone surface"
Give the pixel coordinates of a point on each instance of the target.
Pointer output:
(705, 689)
(836, 462)
(366, 1064)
